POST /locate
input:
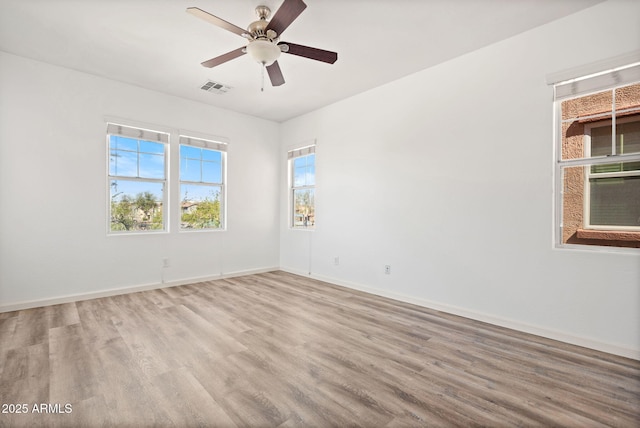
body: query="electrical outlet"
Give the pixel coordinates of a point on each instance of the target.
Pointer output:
(387, 269)
(336, 261)
(165, 262)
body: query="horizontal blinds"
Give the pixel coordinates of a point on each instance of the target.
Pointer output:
(597, 82)
(207, 144)
(304, 151)
(140, 134)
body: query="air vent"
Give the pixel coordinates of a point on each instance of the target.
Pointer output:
(215, 87)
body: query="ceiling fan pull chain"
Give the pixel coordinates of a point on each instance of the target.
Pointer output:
(262, 86)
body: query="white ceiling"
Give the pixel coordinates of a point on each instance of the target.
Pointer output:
(155, 44)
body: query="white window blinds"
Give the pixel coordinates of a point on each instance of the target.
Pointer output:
(207, 144)
(597, 82)
(137, 133)
(303, 151)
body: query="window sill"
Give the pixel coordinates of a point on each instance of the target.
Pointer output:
(610, 237)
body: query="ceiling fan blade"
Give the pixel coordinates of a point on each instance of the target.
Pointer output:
(216, 21)
(224, 58)
(284, 16)
(275, 74)
(311, 53)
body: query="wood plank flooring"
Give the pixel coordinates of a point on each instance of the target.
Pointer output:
(280, 350)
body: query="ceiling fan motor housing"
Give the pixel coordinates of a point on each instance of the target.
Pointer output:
(258, 29)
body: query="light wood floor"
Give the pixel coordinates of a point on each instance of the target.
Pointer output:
(277, 349)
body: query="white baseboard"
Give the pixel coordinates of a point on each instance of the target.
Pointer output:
(125, 290)
(479, 316)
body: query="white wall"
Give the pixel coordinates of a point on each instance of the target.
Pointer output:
(446, 175)
(53, 191)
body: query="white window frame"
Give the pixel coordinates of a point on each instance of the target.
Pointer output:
(213, 145)
(622, 71)
(140, 134)
(587, 182)
(291, 156)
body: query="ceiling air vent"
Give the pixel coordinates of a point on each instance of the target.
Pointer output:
(215, 87)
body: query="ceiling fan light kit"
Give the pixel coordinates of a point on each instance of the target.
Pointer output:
(264, 45)
(263, 51)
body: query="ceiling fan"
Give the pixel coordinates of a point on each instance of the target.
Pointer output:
(264, 39)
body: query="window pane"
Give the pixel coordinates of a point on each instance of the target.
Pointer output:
(300, 162)
(199, 192)
(200, 165)
(631, 166)
(595, 104)
(211, 172)
(190, 152)
(615, 201)
(602, 169)
(311, 171)
(136, 206)
(628, 96)
(573, 140)
(190, 169)
(627, 142)
(304, 171)
(615, 167)
(304, 208)
(573, 180)
(628, 135)
(151, 166)
(136, 158)
(123, 163)
(151, 147)
(211, 155)
(601, 140)
(578, 114)
(299, 175)
(123, 143)
(200, 207)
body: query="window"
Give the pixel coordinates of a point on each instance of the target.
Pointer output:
(202, 171)
(598, 159)
(137, 179)
(613, 189)
(302, 178)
